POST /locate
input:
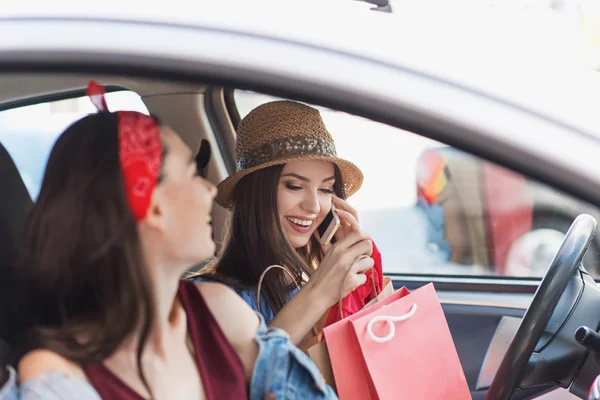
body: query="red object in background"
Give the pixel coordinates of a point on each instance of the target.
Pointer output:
(357, 299)
(508, 210)
(431, 175)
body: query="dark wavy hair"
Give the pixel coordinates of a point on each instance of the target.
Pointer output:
(80, 266)
(255, 240)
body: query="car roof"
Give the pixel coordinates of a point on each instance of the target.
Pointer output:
(529, 58)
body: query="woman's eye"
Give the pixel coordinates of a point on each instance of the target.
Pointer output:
(327, 190)
(293, 187)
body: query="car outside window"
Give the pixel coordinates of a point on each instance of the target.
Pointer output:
(28, 133)
(436, 210)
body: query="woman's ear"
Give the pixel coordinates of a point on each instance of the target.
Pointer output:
(155, 217)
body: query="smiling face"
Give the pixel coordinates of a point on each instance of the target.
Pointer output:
(304, 198)
(182, 204)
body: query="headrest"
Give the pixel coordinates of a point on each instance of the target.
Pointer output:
(15, 203)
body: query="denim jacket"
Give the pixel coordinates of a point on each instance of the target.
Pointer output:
(9, 391)
(282, 371)
(57, 385)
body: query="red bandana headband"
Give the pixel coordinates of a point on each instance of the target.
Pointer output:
(140, 152)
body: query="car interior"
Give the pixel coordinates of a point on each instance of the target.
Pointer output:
(484, 305)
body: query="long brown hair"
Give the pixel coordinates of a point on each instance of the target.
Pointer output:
(255, 240)
(81, 266)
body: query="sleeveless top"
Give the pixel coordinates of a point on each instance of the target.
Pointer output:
(219, 366)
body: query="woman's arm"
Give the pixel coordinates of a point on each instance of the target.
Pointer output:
(301, 313)
(340, 272)
(237, 320)
(276, 369)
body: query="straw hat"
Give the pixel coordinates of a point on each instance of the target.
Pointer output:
(277, 133)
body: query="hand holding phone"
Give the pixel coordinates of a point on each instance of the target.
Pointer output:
(344, 264)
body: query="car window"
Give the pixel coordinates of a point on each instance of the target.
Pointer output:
(28, 133)
(433, 209)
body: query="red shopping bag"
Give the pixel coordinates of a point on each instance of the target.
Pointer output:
(400, 347)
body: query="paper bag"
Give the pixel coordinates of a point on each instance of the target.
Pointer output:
(388, 288)
(318, 350)
(349, 369)
(400, 347)
(320, 356)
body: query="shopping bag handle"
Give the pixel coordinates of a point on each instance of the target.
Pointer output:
(287, 271)
(375, 291)
(262, 277)
(390, 322)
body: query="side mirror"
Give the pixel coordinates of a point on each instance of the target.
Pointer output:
(382, 5)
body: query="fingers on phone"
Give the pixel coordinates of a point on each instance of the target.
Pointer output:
(348, 219)
(345, 206)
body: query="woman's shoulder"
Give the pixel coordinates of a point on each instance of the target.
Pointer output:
(57, 386)
(44, 374)
(249, 295)
(238, 322)
(226, 306)
(208, 287)
(40, 361)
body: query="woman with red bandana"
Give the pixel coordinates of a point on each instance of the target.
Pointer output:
(123, 211)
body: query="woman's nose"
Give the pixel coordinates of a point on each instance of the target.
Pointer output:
(310, 203)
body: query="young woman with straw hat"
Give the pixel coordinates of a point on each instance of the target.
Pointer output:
(288, 176)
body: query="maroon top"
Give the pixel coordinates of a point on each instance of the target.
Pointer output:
(220, 368)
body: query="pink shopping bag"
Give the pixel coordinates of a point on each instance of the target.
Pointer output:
(400, 347)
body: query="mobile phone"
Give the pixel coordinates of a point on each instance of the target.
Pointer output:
(329, 226)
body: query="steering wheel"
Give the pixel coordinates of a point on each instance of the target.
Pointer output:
(562, 268)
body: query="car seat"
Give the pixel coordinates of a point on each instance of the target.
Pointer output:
(15, 203)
